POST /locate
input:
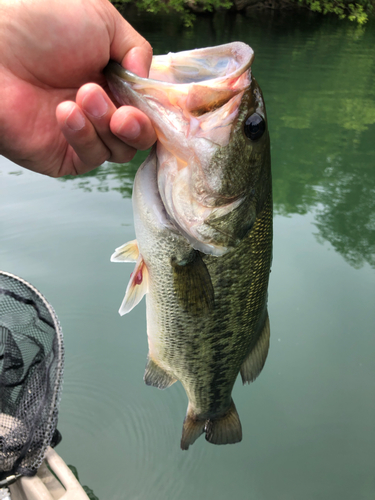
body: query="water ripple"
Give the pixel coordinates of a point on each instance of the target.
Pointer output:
(137, 428)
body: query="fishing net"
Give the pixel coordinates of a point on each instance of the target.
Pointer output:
(31, 369)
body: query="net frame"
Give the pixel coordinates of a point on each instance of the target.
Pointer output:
(31, 444)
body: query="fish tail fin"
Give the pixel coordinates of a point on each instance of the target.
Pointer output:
(223, 430)
(191, 429)
(226, 429)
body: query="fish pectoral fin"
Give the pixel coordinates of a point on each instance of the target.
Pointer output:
(137, 287)
(128, 252)
(191, 429)
(253, 364)
(156, 376)
(226, 429)
(193, 285)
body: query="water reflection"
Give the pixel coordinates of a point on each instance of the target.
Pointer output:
(110, 176)
(346, 217)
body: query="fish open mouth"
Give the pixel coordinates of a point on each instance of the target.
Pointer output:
(192, 99)
(213, 63)
(193, 81)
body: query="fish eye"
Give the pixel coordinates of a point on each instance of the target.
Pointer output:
(254, 127)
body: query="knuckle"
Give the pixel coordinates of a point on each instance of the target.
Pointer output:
(105, 156)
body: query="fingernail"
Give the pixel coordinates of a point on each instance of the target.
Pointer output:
(138, 60)
(129, 129)
(75, 120)
(95, 105)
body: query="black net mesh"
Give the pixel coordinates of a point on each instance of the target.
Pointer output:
(31, 368)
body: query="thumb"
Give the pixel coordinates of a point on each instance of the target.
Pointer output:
(128, 47)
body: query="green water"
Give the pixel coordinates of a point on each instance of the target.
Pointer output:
(309, 420)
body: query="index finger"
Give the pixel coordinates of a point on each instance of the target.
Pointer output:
(129, 48)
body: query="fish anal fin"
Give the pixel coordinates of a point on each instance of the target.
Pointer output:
(128, 252)
(226, 429)
(193, 285)
(156, 376)
(191, 429)
(137, 287)
(254, 362)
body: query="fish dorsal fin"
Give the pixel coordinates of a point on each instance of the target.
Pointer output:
(137, 287)
(191, 429)
(128, 252)
(255, 360)
(156, 376)
(226, 429)
(193, 285)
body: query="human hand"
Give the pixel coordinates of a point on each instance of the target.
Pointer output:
(50, 50)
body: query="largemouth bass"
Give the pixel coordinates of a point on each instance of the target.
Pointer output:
(203, 220)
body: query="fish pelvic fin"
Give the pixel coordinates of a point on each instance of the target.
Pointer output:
(128, 252)
(226, 429)
(193, 285)
(254, 362)
(191, 429)
(137, 287)
(156, 376)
